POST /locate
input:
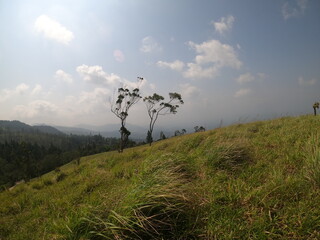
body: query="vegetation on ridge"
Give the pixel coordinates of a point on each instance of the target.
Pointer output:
(248, 181)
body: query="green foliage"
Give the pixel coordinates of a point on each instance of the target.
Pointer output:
(157, 106)
(199, 129)
(162, 136)
(61, 176)
(149, 138)
(248, 181)
(27, 159)
(125, 100)
(312, 161)
(315, 106)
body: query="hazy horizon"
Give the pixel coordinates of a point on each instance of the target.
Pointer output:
(61, 61)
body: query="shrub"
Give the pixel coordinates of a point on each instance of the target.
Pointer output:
(37, 186)
(47, 182)
(61, 176)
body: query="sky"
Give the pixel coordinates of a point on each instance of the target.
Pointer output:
(62, 61)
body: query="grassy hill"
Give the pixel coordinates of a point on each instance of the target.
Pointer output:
(248, 181)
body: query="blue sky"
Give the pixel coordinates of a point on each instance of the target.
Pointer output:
(61, 61)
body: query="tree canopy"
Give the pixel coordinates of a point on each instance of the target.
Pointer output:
(125, 100)
(156, 106)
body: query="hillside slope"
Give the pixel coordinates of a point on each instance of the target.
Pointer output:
(248, 181)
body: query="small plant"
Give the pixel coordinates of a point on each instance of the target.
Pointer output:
(61, 176)
(119, 174)
(47, 182)
(77, 161)
(37, 186)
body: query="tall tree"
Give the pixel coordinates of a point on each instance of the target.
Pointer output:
(125, 100)
(156, 106)
(315, 106)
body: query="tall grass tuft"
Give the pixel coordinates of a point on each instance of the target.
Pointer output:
(312, 161)
(157, 207)
(228, 156)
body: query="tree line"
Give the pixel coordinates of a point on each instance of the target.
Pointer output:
(26, 155)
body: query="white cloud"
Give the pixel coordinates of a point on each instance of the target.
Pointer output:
(152, 86)
(197, 71)
(149, 45)
(4, 95)
(245, 78)
(175, 65)
(212, 56)
(37, 89)
(224, 25)
(118, 55)
(97, 95)
(242, 92)
(290, 11)
(91, 101)
(52, 29)
(96, 75)
(35, 109)
(63, 76)
(307, 82)
(189, 91)
(21, 89)
(249, 77)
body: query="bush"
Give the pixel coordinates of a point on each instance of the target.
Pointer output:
(37, 186)
(61, 176)
(47, 182)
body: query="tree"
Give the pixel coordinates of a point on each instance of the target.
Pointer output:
(125, 100)
(162, 136)
(315, 106)
(157, 106)
(199, 129)
(180, 133)
(149, 137)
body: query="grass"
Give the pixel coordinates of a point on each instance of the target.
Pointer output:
(259, 180)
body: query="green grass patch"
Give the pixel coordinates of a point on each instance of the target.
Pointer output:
(259, 180)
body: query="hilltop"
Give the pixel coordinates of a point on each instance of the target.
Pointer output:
(18, 127)
(259, 180)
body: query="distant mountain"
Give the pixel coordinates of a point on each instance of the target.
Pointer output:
(112, 127)
(108, 130)
(75, 130)
(17, 126)
(47, 129)
(138, 133)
